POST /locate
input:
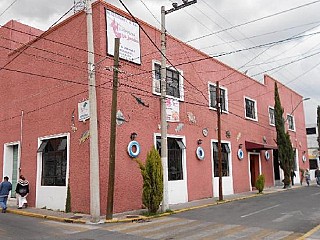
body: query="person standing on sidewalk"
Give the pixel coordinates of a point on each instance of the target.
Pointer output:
(293, 175)
(5, 188)
(301, 175)
(317, 175)
(307, 176)
(22, 191)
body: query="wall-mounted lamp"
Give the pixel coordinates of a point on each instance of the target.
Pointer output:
(133, 136)
(240, 146)
(199, 141)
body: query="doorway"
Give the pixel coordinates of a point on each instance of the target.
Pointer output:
(254, 166)
(276, 166)
(11, 164)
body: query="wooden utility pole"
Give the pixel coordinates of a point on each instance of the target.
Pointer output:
(113, 129)
(218, 100)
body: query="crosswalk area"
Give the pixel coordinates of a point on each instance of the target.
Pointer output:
(186, 229)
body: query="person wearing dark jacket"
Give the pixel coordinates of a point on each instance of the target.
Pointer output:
(5, 188)
(22, 191)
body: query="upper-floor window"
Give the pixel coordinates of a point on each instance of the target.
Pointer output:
(174, 81)
(290, 120)
(213, 97)
(251, 109)
(271, 116)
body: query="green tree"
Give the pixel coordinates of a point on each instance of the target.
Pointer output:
(260, 183)
(285, 151)
(152, 175)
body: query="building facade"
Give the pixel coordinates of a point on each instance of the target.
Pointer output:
(45, 126)
(313, 147)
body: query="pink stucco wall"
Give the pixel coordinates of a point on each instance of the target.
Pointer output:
(49, 78)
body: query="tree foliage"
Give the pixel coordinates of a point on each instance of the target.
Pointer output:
(152, 175)
(285, 150)
(260, 183)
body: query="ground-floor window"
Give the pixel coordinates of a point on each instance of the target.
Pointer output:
(313, 163)
(175, 157)
(225, 152)
(54, 161)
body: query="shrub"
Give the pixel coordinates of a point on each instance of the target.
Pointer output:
(260, 183)
(152, 175)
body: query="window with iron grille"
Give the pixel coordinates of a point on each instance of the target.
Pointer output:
(174, 81)
(251, 109)
(290, 120)
(225, 152)
(271, 116)
(213, 97)
(54, 161)
(175, 155)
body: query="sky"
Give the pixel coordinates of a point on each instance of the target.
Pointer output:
(280, 38)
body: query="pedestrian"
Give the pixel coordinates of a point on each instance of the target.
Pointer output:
(307, 176)
(317, 175)
(22, 191)
(301, 170)
(293, 175)
(5, 188)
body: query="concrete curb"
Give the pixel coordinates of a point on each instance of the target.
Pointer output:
(43, 216)
(308, 234)
(186, 209)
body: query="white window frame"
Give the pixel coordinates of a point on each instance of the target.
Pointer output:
(255, 109)
(156, 83)
(270, 120)
(293, 123)
(225, 100)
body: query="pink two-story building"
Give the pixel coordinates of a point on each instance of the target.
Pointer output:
(45, 127)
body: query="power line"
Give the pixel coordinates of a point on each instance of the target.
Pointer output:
(4, 11)
(153, 43)
(255, 20)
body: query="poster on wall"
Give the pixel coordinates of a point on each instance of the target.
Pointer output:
(129, 34)
(172, 106)
(83, 110)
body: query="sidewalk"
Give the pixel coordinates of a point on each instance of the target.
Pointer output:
(135, 215)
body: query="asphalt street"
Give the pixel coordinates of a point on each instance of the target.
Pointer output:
(283, 215)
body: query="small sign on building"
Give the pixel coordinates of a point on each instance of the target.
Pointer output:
(83, 111)
(172, 106)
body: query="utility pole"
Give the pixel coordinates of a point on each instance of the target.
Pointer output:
(164, 150)
(218, 100)
(164, 147)
(113, 128)
(93, 126)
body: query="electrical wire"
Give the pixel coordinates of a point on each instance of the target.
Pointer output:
(4, 11)
(252, 21)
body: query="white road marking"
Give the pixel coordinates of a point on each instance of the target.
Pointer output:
(265, 209)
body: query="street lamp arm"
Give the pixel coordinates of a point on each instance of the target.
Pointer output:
(177, 7)
(302, 100)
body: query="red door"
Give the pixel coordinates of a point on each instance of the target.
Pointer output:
(254, 169)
